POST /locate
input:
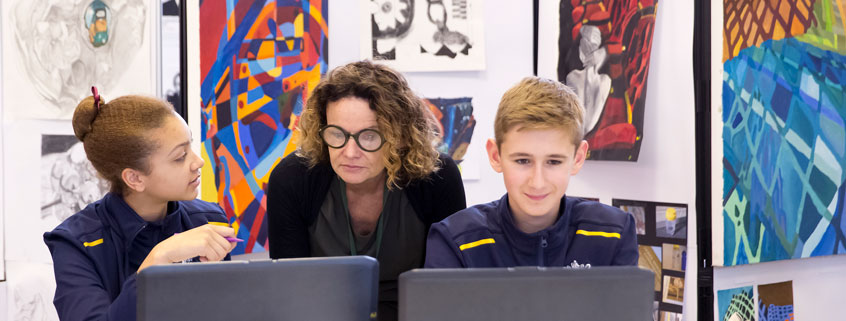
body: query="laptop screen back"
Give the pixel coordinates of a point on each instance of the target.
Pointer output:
(527, 293)
(334, 288)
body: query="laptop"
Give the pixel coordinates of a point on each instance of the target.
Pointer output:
(527, 293)
(329, 288)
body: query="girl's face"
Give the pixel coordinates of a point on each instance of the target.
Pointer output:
(350, 162)
(174, 167)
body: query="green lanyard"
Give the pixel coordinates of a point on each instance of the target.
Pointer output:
(379, 227)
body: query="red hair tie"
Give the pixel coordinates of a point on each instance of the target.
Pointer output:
(96, 97)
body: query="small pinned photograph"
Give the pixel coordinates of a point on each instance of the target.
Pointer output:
(674, 257)
(639, 213)
(670, 316)
(650, 259)
(673, 290)
(736, 304)
(671, 222)
(775, 301)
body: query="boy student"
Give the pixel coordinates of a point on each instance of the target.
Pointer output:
(538, 146)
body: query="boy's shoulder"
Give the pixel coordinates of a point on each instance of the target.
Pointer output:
(592, 212)
(474, 219)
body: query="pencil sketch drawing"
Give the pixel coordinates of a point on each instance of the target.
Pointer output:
(68, 180)
(66, 46)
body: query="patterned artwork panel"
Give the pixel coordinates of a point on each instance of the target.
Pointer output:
(783, 136)
(259, 61)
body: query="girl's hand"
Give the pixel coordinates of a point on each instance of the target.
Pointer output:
(207, 241)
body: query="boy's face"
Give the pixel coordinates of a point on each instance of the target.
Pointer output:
(536, 165)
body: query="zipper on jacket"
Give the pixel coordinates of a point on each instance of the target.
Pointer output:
(542, 251)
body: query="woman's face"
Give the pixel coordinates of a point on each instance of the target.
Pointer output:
(350, 162)
(174, 167)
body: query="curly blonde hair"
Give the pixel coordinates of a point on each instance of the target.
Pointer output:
(406, 124)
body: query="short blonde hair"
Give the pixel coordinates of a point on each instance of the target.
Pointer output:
(538, 103)
(406, 123)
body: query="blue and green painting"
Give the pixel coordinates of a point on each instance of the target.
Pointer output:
(783, 135)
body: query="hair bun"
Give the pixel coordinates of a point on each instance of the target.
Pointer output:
(83, 117)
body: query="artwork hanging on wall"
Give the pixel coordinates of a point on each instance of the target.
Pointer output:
(170, 82)
(736, 304)
(778, 134)
(259, 61)
(601, 49)
(68, 180)
(29, 293)
(775, 301)
(455, 124)
(63, 182)
(55, 50)
(662, 246)
(424, 35)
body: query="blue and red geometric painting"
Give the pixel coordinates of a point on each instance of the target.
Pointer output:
(259, 60)
(783, 135)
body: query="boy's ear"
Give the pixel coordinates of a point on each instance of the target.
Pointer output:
(133, 179)
(493, 155)
(579, 160)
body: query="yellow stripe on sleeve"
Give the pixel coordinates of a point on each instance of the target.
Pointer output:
(596, 233)
(93, 243)
(475, 244)
(224, 224)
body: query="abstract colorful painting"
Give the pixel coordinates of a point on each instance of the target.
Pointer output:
(603, 54)
(775, 301)
(455, 124)
(782, 134)
(259, 60)
(736, 304)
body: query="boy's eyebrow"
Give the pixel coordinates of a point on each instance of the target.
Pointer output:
(521, 154)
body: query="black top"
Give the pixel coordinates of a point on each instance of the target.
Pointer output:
(296, 193)
(402, 229)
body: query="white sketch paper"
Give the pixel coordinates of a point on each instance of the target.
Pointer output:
(25, 222)
(60, 48)
(68, 180)
(424, 35)
(30, 289)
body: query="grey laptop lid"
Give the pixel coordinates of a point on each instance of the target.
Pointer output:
(333, 288)
(527, 293)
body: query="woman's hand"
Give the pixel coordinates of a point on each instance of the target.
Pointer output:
(207, 241)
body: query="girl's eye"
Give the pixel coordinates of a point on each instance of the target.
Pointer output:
(522, 161)
(182, 158)
(554, 162)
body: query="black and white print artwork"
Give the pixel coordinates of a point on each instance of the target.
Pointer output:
(170, 81)
(424, 35)
(68, 180)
